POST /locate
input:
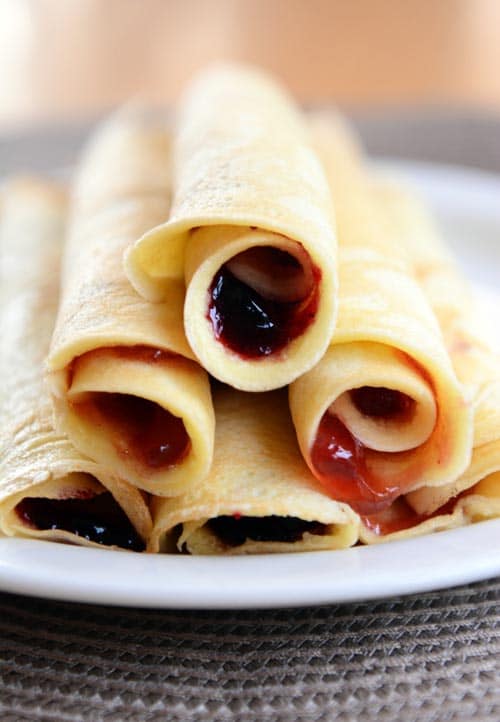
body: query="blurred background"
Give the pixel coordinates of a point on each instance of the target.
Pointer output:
(63, 60)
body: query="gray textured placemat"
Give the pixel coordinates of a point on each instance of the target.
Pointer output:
(432, 658)
(425, 658)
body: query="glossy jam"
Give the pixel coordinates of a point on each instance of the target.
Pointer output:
(98, 519)
(235, 530)
(397, 517)
(381, 402)
(253, 326)
(400, 516)
(339, 462)
(143, 430)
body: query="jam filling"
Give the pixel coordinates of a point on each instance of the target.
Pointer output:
(397, 517)
(384, 403)
(234, 530)
(400, 516)
(339, 459)
(98, 519)
(339, 462)
(142, 429)
(254, 325)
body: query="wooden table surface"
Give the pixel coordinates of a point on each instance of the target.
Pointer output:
(64, 59)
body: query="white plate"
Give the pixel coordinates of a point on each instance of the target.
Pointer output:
(467, 205)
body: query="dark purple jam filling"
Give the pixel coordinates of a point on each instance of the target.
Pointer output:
(253, 326)
(235, 530)
(382, 402)
(98, 519)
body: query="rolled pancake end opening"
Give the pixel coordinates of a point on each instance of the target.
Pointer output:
(153, 429)
(388, 419)
(237, 534)
(368, 412)
(255, 297)
(77, 507)
(139, 429)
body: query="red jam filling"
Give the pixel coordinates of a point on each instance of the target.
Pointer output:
(339, 462)
(98, 519)
(142, 429)
(254, 326)
(397, 517)
(400, 516)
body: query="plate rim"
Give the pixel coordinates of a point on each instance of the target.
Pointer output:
(439, 561)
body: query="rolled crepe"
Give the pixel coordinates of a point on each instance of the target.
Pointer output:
(251, 227)
(259, 496)
(382, 413)
(475, 494)
(127, 390)
(48, 489)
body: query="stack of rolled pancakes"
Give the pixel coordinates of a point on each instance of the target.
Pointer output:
(233, 338)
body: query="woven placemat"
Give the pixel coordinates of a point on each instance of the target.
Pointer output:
(432, 658)
(425, 658)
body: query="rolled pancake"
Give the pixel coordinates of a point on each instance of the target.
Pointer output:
(475, 494)
(382, 413)
(127, 390)
(252, 230)
(259, 496)
(48, 489)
